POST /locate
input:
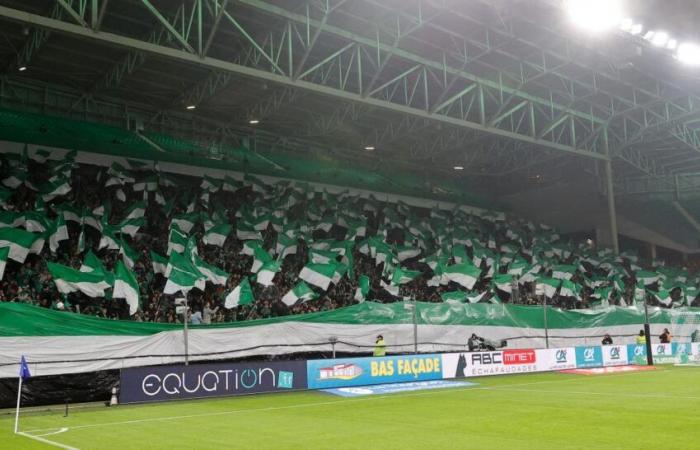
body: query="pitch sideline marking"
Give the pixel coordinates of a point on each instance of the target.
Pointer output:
(47, 441)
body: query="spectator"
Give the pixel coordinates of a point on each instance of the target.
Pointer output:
(665, 337)
(607, 340)
(207, 313)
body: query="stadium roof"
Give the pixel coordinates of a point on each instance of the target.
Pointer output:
(507, 90)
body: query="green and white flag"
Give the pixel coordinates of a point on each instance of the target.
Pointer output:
(390, 288)
(267, 273)
(240, 296)
(91, 263)
(690, 293)
(69, 280)
(159, 263)
(217, 235)
(126, 287)
(285, 246)
(58, 232)
(301, 291)
(183, 281)
(129, 255)
(4, 253)
(213, 274)
(21, 243)
(646, 277)
(108, 239)
(563, 272)
(569, 289)
(246, 232)
(476, 297)
(260, 258)
(54, 189)
(40, 155)
(319, 275)
(186, 221)
(322, 256)
(131, 226)
(503, 282)
(362, 288)
(403, 276)
(463, 274)
(250, 246)
(36, 222)
(210, 184)
(547, 286)
(663, 296)
(406, 252)
(177, 240)
(136, 211)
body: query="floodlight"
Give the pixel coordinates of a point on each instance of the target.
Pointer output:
(595, 15)
(660, 39)
(689, 53)
(672, 44)
(22, 68)
(369, 148)
(636, 29)
(253, 121)
(626, 24)
(191, 107)
(458, 168)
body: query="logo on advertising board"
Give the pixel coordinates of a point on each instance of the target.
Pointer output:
(367, 371)
(145, 384)
(457, 365)
(637, 354)
(694, 352)
(340, 372)
(556, 359)
(519, 357)
(614, 355)
(589, 357)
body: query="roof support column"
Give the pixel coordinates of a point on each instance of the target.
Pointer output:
(612, 213)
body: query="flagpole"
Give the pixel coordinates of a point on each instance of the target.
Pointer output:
(19, 398)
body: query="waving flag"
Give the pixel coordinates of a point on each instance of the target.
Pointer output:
(241, 295)
(126, 287)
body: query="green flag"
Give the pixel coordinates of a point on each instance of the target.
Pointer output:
(362, 288)
(69, 280)
(126, 287)
(241, 295)
(301, 291)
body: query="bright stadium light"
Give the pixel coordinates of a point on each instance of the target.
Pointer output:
(369, 148)
(626, 24)
(689, 54)
(659, 39)
(191, 107)
(458, 168)
(636, 29)
(22, 68)
(672, 44)
(595, 15)
(253, 121)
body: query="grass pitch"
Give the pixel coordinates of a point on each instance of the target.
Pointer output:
(654, 409)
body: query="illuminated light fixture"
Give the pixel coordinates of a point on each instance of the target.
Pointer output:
(672, 44)
(253, 121)
(458, 168)
(660, 39)
(689, 54)
(626, 25)
(649, 35)
(191, 107)
(595, 15)
(22, 68)
(369, 148)
(636, 29)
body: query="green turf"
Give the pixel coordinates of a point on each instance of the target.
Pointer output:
(656, 409)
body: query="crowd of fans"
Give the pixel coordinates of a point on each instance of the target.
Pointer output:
(436, 233)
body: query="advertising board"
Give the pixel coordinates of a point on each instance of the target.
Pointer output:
(556, 359)
(614, 355)
(331, 373)
(458, 365)
(157, 383)
(591, 356)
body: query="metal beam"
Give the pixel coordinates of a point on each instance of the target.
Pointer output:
(216, 64)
